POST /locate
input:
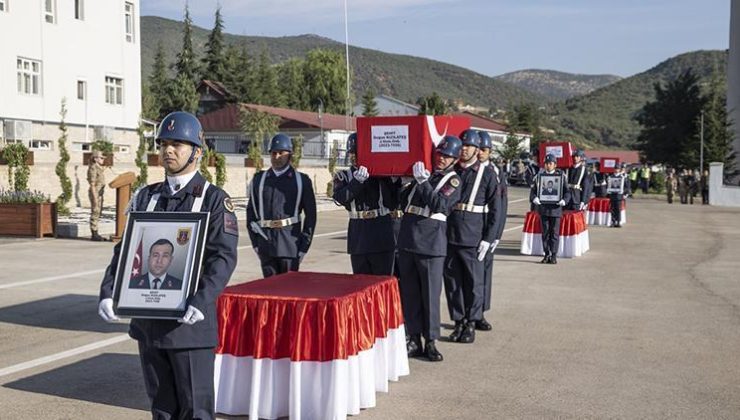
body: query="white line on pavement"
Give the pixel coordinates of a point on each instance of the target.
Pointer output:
(514, 228)
(518, 200)
(45, 279)
(62, 355)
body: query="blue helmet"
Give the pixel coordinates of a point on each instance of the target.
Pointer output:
(470, 138)
(550, 158)
(352, 143)
(180, 126)
(450, 146)
(524, 156)
(281, 142)
(485, 140)
(579, 153)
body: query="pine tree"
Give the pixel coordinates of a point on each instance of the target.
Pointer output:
(214, 62)
(433, 105)
(291, 84)
(369, 105)
(181, 90)
(325, 78)
(718, 134)
(183, 95)
(267, 83)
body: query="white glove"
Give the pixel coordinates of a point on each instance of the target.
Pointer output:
(494, 245)
(192, 315)
(300, 256)
(361, 174)
(536, 201)
(420, 172)
(105, 310)
(483, 247)
(561, 203)
(582, 206)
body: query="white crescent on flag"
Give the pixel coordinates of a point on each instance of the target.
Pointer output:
(433, 133)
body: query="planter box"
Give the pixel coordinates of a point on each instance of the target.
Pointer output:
(28, 219)
(29, 158)
(152, 159)
(87, 155)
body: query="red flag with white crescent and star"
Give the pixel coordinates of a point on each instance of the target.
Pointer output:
(136, 266)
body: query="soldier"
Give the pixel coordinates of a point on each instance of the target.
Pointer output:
(616, 197)
(578, 183)
(422, 245)
(370, 238)
(471, 232)
(531, 172)
(550, 213)
(670, 185)
(277, 197)
(599, 181)
(96, 178)
(177, 356)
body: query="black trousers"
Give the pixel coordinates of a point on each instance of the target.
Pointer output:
(550, 234)
(705, 196)
(463, 275)
(421, 286)
(615, 207)
(487, 281)
(276, 265)
(380, 263)
(179, 382)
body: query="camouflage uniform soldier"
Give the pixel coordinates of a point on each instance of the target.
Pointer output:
(96, 178)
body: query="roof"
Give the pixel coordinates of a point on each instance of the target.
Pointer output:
(227, 118)
(479, 121)
(216, 87)
(628, 156)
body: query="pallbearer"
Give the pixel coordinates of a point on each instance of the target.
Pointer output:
(579, 183)
(550, 193)
(618, 187)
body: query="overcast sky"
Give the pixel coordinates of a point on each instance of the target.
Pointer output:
(621, 37)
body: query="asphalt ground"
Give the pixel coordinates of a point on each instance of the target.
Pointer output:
(644, 325)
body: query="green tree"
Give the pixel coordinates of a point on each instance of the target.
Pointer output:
(214, 62)
(267, 82)
(369, 105)
(187, 64)
(718, 135)
(295, 157)
(220, 169)
(527, 118)
(238, 77)
(332, 167)
(183, 95)
(61, 167)
(159, 85)
(257, 126)
(670, 124)
(291, 78)
(18, 170)
(204, 160)
(325, 78)
(433, 105)
(181, 90)
(511, 148)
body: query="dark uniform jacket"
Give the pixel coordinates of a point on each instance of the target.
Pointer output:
(626, 190)
(465, 228)
(279, 195)
(367, 236)
(530, 173)
(503, 193)
(579, 184)
(553, 210)
(425, 235)
(167, 283)
(219, 261)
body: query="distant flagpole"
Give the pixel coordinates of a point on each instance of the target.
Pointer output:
(346, 55)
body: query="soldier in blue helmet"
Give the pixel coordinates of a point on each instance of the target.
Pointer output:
(550, 213)
(579, 183)
(618, 188)
(277, 198)
(422, 243)
(471, 232)
(177, 356)
(370, 200)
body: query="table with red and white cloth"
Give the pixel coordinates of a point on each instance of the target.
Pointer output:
(308, 345)
(600, 214)
(573, 234)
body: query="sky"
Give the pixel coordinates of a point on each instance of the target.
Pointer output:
(492, 37)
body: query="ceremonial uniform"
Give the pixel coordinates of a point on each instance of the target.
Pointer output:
(615, 198)
(530, 175)
(550, 215)
(503, 194)
(579, 184)
(276, 201)
(96, 179)
(370, 236)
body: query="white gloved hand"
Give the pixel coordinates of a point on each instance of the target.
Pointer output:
(420, 172)
(561, 203)
(300, 256)
(361, 174)
(583, 206)
(192, 315)
(536, 201)
(105, 310)
(494, 245)
(483, 247)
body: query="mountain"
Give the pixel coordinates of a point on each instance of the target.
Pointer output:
(557, 85)
(401, 76)
(605, 115)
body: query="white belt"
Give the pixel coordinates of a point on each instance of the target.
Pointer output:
(471, 208)
(368, 214)
(276, 224)
(423, 212)
(575, 186)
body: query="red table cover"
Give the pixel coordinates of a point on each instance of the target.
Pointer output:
(307, 316)
(602, 205)
(572, 223)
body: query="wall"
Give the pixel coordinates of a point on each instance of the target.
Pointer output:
(720, 194)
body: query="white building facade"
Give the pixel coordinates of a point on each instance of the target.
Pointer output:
(85, 51)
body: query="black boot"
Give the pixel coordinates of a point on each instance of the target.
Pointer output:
(95, 237)
(483, 325)
(459, 326)
(468, 334)
(553, 260)
(545, 260)
(431, 352)
(413, 345)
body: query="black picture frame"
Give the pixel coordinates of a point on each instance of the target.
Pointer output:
(615, 185)
(543, 191)
(148, 237)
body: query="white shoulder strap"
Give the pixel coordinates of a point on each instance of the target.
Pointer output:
(198, 202)
(439, 186)
(299, 184)
(261, 213)
(152, 202)
(476, 185)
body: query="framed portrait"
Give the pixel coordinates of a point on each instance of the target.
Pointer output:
(160, 264)
(550, 188)
(615, 185)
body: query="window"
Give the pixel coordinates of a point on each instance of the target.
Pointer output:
(29, 76)
(4, 5)
(80, 9)
(121, 148)
(39, 144)
(81, 147)
(129, 21)
(81, 90)
(50, 12)
(113, 90)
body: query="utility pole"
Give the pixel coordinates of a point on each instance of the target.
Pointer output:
(701, 147)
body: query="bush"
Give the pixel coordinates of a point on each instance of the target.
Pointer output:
(22, 197)
(18, 171)
(657, 182)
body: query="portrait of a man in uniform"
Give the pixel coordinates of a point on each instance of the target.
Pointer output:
(159, 261)
(550, 188)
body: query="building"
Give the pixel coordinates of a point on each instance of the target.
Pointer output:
(733, 80)
(389, 106)
(84, 51)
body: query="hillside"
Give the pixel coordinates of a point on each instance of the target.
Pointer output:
(557, 85)
(605, 115)
(401, 76)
